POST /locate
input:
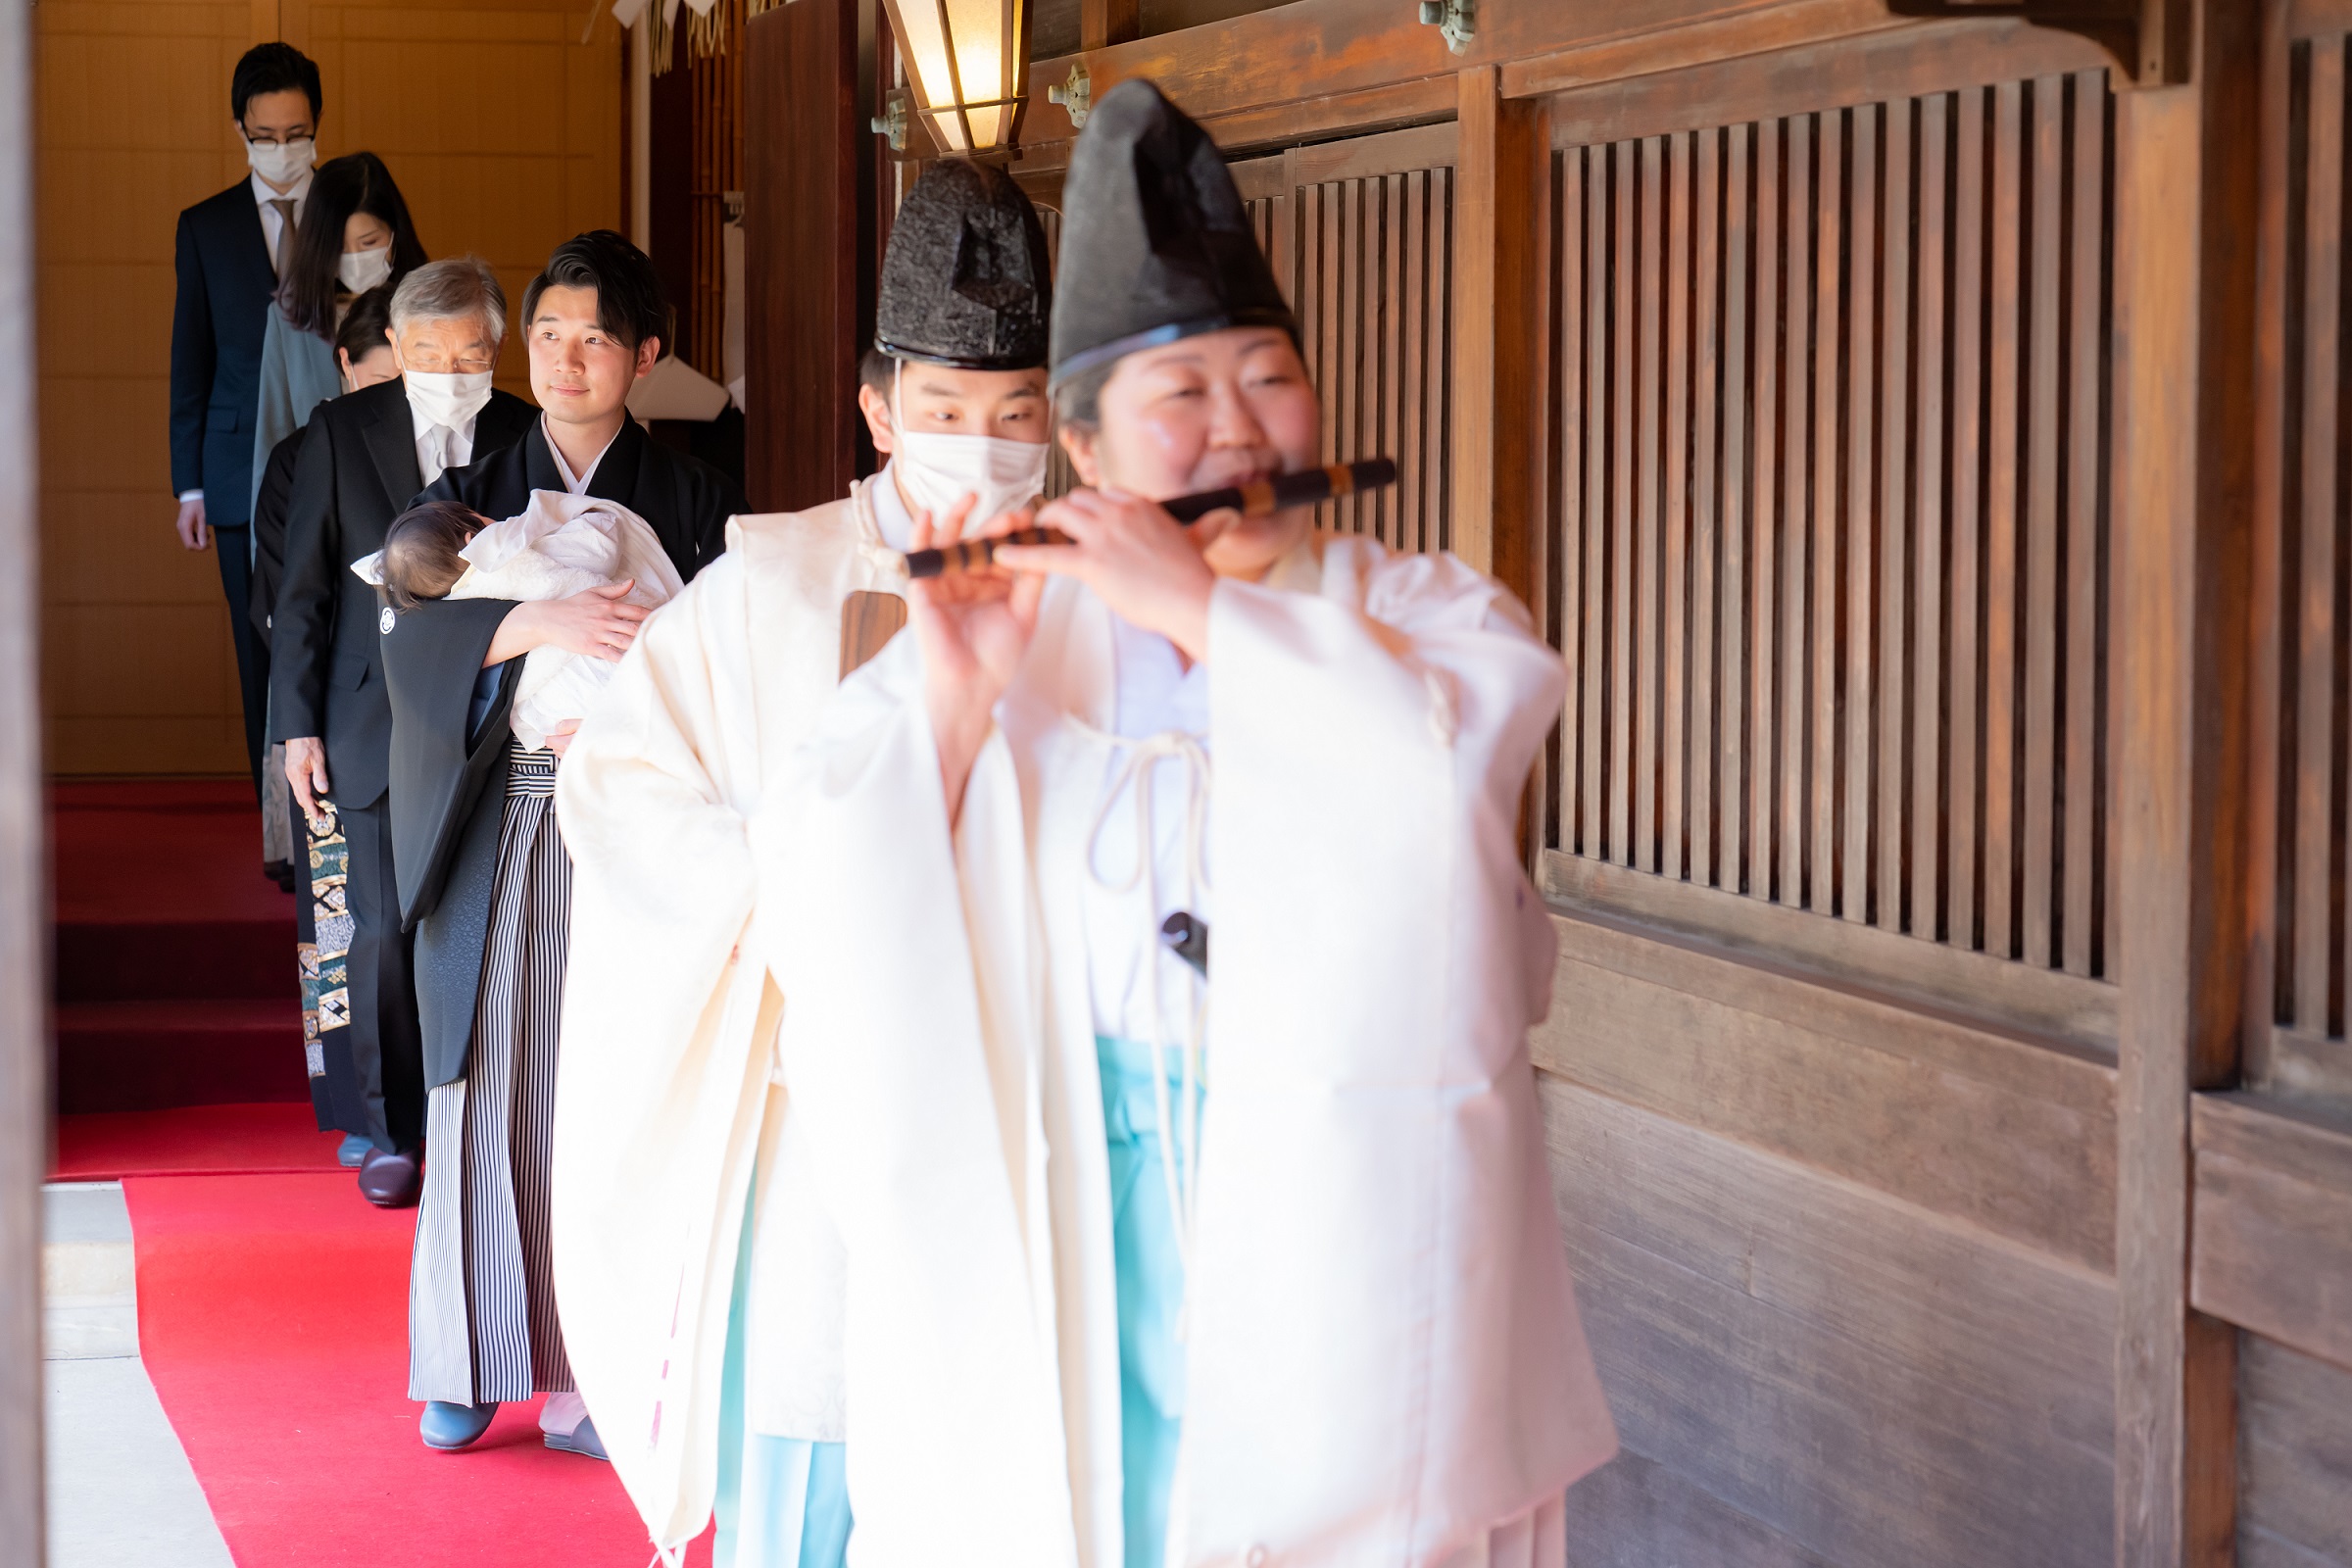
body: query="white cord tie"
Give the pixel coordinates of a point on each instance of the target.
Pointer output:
(1144, 756)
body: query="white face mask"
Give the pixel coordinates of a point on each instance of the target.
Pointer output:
(362, 271)
(282, 162)
(935, 471)
(447, 399)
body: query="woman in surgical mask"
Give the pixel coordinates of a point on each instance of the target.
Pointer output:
(354, 235)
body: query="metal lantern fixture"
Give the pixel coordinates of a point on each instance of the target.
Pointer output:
(967, 67)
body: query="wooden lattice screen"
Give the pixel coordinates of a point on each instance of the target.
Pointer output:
(2313, 549)
(1360, 233)
(1832, 494)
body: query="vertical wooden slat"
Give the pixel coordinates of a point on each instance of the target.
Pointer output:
(1569, 206)
(1355, 325)
(1438, 423)
(1648, 586)
(1894, 477)
(2039, 820)
(2315, 608)
(1928, 668)
(1766, 422)
(1965, 853)
(1798, 702)
(1862, 340)
(1821, 704)
(2315, 613)
(1621, 514)
(1737, 421)
(2002, 353)
(1706, 272)
(1389, 415)
(1328, 266)
(2085, 548)
(1595, 783)
(1414, 364)
(1675, 670)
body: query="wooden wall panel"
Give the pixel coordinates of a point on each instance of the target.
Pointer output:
(504, 132)
(1838, 563)
(1856, 1377)
(2294, 1459)
(2012, 1136)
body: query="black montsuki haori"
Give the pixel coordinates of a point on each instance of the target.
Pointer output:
(1155, 243)
(966, 282)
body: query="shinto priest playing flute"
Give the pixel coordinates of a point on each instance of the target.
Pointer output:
(1150, 1265)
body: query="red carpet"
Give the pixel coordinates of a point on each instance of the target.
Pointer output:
(274, 1319)
(199, 1140)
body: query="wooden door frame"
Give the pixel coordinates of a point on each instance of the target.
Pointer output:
(24, 936)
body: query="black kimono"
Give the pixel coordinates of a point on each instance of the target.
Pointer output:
(485, 884)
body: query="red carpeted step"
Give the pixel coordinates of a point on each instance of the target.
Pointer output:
(155, 960)
(176, 976)
(149, 1056)
(192, 1140)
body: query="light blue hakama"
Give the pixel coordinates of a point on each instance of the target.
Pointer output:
(1151, 1285)
(783, 1502)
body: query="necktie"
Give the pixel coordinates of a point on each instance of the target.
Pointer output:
(440, 443)
(284, 255)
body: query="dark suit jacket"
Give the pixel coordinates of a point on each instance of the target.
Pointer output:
(449, 773)
(217, 327)
(270, 507)
(357, 471)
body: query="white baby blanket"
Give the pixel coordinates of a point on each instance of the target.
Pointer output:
(557, 546)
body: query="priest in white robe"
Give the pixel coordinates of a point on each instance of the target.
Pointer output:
(1146, 1266)
(698, 1269)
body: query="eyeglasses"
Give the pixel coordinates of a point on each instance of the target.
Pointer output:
(273, 140)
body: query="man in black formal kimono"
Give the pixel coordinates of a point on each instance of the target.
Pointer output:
(363, 460)
(484, 877)
(227, 256)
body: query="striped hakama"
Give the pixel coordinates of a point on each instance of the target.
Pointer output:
(481, 1290)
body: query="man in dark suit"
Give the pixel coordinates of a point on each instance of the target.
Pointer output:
(364, 459)
(230, 250)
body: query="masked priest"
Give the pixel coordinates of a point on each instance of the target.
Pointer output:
(698, 1269)
(1185, 1252)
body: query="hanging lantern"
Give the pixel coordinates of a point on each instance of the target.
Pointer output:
(967, 65)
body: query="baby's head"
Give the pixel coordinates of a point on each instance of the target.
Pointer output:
(421, 552)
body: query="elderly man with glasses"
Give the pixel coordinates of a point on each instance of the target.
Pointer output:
(367, 455)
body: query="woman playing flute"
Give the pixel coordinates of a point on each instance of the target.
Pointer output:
(1149, 1267)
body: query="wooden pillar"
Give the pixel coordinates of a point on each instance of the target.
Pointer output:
(804, 161)
(23, 940)
(1501, 328)
(2184, 260)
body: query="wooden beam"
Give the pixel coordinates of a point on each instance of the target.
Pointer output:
(2183, 351)
(1104, 23)
(23, 905)
(1500, 314)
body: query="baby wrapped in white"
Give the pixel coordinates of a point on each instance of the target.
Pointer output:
(558, 546)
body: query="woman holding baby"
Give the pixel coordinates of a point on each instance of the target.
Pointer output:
(510, 590)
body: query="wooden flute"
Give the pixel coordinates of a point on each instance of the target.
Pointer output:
(1253, 500)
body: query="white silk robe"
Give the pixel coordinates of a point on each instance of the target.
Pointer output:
(1385, 1362)
(665, 1101)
